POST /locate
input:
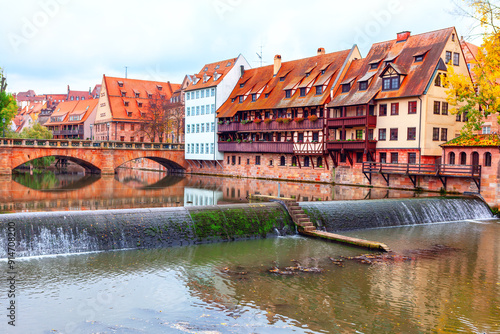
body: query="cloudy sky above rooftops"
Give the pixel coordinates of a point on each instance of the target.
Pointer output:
(46, 45)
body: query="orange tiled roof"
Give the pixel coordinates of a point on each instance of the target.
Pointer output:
(303, 73)
(220, 67)
(402, 55)
(119, 110)
(62, 109)
(474, 141)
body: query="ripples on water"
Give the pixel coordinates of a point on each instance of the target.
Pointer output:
(227, 288)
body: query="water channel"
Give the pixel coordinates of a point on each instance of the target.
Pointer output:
(443, 278)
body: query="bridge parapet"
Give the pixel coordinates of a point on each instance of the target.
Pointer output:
(75, 143)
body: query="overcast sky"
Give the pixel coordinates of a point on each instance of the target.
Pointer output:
(46, 45)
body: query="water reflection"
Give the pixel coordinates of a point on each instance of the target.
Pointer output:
(131, 188)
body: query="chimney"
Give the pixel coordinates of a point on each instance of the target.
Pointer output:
(242, 70)
(403, 36)
(277, 64)
(321, 51)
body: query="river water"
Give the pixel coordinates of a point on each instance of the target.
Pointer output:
(444, 278)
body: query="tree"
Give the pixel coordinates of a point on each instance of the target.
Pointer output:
(8, 105)
(480, 99)
(38, 131)
(176, 116)
(154, 120)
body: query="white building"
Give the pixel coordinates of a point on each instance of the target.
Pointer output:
(210, 89)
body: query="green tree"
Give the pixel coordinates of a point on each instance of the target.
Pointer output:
(8, 105)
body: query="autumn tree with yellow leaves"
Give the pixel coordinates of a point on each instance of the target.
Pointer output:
(480, 99)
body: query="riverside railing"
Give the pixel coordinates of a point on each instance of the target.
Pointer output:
(75, 143)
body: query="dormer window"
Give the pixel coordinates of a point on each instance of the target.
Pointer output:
(126, 103)
(137, 95)
(233, 99)
(124, 93)
(120, 83)
(307, 74)
(419, 59)
(390, 83)
(228, 64)
(205, 69)
(241, 98)
(217, 67)
(266, 95)
(159, 87)
(288, 93)
(150, 96)
(319, 90)
(374, 66)
(139, 104)
(346, 88)
(363, 85)
(303, 91)
(143, 114)
(254, 97)
(242, 85)
(129, 113)
(282, 79)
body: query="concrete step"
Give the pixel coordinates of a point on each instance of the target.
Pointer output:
(303, 220)
(301, 215)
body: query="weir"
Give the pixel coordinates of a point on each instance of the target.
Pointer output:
(83, 231)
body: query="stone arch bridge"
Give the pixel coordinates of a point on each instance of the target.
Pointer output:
(95, 156)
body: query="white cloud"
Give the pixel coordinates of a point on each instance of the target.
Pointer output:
(48, 44)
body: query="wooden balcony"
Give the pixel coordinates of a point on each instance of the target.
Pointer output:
(256, 147)
(351, 122)
(68, 132)
(351, 145)
(272, 126)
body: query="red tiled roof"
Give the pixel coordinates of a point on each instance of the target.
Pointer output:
(62, 109)
(220, 67)
(402, 54)
(294, 73)
(117, 103)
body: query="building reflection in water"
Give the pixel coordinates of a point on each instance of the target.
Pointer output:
(141, 189)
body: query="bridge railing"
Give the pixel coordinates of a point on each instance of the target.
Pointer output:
(78, 143)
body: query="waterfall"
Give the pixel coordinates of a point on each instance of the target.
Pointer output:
(83, 231)
(350, 215)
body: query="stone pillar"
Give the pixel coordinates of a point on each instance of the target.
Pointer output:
(108, 161)
(5, 160)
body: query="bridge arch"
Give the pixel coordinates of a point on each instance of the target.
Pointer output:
(88, 166)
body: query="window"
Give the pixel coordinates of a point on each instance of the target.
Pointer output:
(319, 162)
(207, 128)
(383, 157)
(412, 158)
(187, 96)
(202, 94)
(122, 126)
(370, 134)
(315, 136)
(306, 162)
(412, 133)
(300, 137)
(343, 157)
(486, 130)
(363, 85)
(412, 107)
(360, 110)
(126, 103)
(435, 134)
(123, 95)
(437, 81)
(487, 159)
(394, 109)
(213, 126)
(282, 161)
(459, 117)
(254, 97)
(122, 138)
(213, 108)
(456, 59)
(374, 66)
(302, 92)
(359, 134)
(188, 128)
(448, 57)
(120, 83)
(346, 88)
(257, 160)
(451, 158)
(394, 157)
(444, 134)
(394, 134)
(202, 110)
(131, 139)
(359, 157)
(233, 159)
(294, 161)
(197, 128)
(382, 110)
(288, 94)
(319, 90)
(212, 148)
(390, 83)
(444, 108)
(202, 127)
(437, 107)
(197, 110)
(381, 134)
(419, 59)
(197, 94)
(270, 162)
(188, 111)
(132, 127)
(463, 158)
